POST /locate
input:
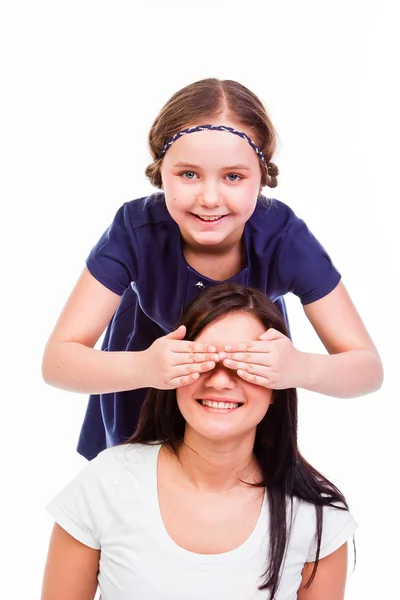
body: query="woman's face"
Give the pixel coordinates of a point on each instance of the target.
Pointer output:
(220, 405)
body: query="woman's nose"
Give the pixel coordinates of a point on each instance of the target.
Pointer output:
(220, 378)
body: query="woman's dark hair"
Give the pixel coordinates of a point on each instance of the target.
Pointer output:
(285, 473)
(208, 99)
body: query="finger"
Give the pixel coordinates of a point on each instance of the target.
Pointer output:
(193, 357)
(189, 368)
(189, 373)
(184, 380)
(271, 334)
(177, 334)
(238, 347)
(251, 368)
(236, 364)
(193, 348)
(249, 347)
(252, 378)
(248, 357)
(256, 346)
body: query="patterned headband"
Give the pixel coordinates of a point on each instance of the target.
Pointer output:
(214, 128)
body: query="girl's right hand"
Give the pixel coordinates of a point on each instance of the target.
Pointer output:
(172, 362)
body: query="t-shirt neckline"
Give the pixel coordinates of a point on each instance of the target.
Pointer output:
(249, 548)
(239, 277)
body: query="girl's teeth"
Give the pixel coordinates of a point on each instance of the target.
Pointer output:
(208, 218)
(213, 404)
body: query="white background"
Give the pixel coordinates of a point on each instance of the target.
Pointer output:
(82, 83)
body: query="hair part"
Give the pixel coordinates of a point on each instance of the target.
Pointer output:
(209, 99)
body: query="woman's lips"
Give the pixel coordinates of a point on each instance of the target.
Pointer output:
(219, 406)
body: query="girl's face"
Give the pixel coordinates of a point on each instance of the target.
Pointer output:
(211, 181)
(220, 406)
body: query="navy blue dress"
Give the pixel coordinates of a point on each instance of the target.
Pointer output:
(140, 258)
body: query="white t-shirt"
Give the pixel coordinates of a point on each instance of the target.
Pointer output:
(112, 505)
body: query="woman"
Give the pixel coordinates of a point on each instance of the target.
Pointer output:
(210, 498)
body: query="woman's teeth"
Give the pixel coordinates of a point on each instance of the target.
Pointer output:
(213, 404)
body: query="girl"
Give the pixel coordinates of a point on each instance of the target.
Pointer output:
(212, 145)
(211, 497)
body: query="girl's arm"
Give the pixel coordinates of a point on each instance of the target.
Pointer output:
(353, 367)
(71, 568)
(330, 579)
(70, 361)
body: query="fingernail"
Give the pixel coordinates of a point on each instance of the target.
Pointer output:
(228, 348)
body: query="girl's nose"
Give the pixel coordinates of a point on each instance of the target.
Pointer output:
(210, 196)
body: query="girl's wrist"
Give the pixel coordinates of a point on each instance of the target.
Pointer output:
(305, 370)
(138, 375)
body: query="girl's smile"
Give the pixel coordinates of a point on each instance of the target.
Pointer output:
(209, 220)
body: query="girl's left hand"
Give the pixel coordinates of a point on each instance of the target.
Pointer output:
(272, 362)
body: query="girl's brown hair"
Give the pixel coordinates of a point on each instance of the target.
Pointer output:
(206, 99)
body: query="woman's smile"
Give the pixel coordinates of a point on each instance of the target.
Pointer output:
(222, 405)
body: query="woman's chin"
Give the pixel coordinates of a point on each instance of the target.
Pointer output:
(219, 432)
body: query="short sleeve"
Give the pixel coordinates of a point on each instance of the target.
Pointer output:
(337, 528)
(114, 259)
(304, 266)
(82, 508)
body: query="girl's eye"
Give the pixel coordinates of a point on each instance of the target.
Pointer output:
(189, 174)
(233, 177)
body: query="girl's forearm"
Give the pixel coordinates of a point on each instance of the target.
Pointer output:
(74, 367)
(344, 375)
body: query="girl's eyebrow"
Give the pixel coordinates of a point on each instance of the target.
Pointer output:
(229, 168)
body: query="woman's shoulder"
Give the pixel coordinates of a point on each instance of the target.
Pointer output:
(126, 455)
(307, 510)
(113, 466)
(338, 525)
